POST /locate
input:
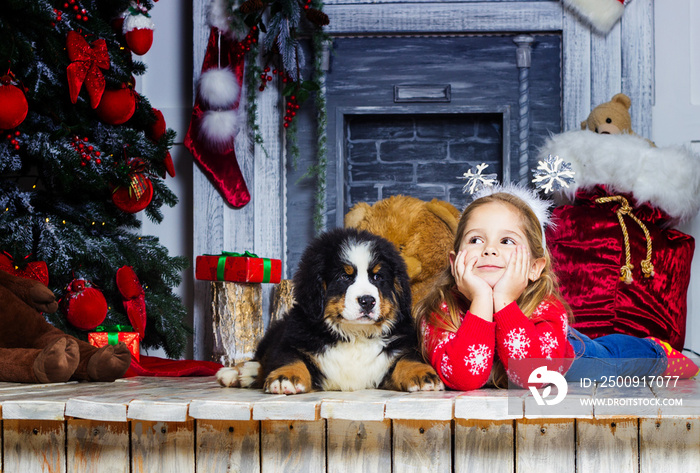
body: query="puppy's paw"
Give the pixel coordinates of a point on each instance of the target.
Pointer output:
(290, 379)
(242, 375)
(415, 376)
(229, 377)
(248, 372)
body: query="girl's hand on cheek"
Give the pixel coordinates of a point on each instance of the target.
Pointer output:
(514, 279)
(469, 284)
(474, 288)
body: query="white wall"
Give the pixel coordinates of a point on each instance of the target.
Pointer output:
(168, 86)
(676, 111)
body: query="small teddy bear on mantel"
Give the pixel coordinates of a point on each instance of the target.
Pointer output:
(611, 118)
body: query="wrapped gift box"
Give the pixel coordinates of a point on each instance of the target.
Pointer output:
(112, 337)
(235, 267)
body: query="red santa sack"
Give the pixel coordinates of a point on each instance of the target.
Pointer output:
(621, 266)
(605, 292)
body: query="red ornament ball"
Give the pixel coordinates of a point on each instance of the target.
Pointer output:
(117, 106)
(135, 197)
(85, 306)
(14, 106)
(139, 40)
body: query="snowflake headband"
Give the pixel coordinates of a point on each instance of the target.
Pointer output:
(550, 175)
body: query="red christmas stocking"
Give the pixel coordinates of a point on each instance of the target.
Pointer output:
(216, 119)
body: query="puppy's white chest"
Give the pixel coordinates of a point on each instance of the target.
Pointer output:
(350, 366)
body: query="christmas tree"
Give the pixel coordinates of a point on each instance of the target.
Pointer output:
(81, 153)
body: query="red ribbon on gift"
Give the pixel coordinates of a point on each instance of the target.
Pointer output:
(86, 62)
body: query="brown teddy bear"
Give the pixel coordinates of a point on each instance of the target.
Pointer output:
(422, 231)
(34, 351)
(610, 118)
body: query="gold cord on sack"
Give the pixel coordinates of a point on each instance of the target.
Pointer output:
(625, 209)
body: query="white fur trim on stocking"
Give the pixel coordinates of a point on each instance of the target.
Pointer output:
(219, 15)
(665, 177)
(218, 88)
(218, 128)
(600, 14)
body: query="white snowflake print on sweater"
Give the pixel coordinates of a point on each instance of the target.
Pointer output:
(548, 344)
(517, 343)
(446, 366)
(540, 309)
(446, 337)
(477, 358)
(514, 378)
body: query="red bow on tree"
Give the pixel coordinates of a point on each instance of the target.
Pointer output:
(37, 270)
(86, 61)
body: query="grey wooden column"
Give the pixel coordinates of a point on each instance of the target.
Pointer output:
(523, 61)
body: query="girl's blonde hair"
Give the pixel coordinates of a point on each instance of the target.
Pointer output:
(429, 308)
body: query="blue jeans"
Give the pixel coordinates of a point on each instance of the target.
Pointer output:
(614, 355)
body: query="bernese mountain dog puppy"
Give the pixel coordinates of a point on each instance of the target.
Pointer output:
(350, 327)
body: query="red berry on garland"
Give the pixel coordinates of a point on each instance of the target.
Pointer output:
(14, 104)
(84, 306)
(117, 106)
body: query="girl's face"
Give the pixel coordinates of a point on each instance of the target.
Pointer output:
(491, 235)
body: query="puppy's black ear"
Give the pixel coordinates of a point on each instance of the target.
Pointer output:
(309, 285)
(403, 289)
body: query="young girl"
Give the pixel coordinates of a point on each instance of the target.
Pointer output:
(498, 301)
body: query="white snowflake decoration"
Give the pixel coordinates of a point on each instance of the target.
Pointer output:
(517, 343)
(553, 174)
(476, 180)
(478, 358)
(548, 344)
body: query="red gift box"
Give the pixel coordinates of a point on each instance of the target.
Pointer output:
(236, 267)
(112, 336)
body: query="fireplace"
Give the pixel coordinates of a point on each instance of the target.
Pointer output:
(410, 114)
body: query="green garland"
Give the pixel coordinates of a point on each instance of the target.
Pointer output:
(280, 20)
(320, 41)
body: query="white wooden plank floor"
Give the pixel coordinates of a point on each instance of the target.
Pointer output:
(193, 425)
